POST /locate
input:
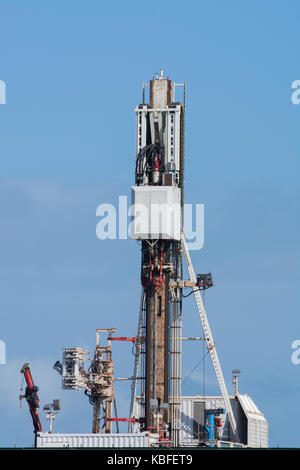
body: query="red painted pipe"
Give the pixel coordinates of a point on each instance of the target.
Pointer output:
(128, 420)
(121, 338)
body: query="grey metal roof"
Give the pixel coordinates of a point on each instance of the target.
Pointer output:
(250, 409)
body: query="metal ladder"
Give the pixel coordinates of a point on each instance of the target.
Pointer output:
(136, 361)
(209, 339)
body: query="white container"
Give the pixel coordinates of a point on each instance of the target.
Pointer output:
(251, 423)
(257, 425)
(96, 440)
(156, 212)
(187, 417)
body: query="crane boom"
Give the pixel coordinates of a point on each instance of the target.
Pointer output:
(209, 339)
(32, 397)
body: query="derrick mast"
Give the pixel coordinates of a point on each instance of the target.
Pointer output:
(158, 202)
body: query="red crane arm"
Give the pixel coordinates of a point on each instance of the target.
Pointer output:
(32, 398)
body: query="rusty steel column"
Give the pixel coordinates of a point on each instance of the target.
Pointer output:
(96, 417)
(157, 336)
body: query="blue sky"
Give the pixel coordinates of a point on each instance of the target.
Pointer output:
(73, 74)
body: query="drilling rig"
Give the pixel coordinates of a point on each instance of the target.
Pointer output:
(158, 198)
(158, 202)
(157, 211)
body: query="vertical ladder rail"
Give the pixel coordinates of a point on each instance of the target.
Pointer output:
(175, 369)
(136, 359)
(209, 340)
